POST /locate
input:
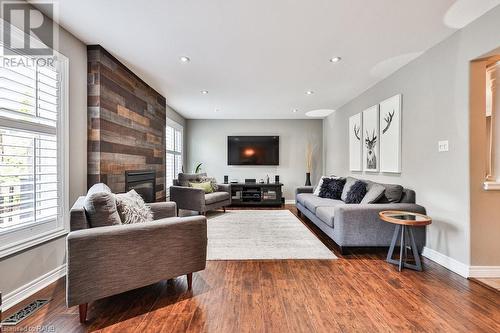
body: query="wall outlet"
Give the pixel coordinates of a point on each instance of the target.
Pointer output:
(443, 146)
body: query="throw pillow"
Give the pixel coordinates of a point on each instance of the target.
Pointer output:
(213, 182)
(374, 192)
(356, 193)
(331, 188)
(205, 186)
(318, 188)
(347, 187)
(132, 208)
(392, 193)
(100, 207)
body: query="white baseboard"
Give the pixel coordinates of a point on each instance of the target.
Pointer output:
(23, 292)
(447, 262)
(484, 271)
(290, 202)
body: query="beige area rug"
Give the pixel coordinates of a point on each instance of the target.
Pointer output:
(262, 234)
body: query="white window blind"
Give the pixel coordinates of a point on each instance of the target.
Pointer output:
(174, 151)
(33, 106)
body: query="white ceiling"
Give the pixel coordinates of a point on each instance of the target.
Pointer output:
(257, 58)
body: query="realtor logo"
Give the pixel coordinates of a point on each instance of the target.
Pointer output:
(35, 26)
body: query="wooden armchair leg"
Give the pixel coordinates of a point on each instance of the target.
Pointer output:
(82, 309)
(190, 280)
(224, 209)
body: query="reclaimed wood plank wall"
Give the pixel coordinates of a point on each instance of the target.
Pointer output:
(126, 123)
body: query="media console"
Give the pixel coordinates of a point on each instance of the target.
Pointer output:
(256, 194)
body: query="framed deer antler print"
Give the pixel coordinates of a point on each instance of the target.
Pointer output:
(371, 160)
(390, 135)
(355, 142)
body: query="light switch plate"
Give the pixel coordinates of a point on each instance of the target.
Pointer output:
(443, 146)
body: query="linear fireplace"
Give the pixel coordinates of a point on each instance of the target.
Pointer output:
(143, 182)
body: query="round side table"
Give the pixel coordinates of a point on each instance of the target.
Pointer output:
(405, 222)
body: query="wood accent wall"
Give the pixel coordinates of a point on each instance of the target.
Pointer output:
(126, 123)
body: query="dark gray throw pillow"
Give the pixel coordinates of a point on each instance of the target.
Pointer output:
(392, 193)
(356, 193)
(331, 188)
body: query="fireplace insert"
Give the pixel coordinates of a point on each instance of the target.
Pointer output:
(143, 182)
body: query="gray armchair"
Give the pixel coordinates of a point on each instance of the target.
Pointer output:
(107, 260)
(195, 199)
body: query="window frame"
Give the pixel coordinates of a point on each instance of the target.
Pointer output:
(177, 127)
(21, 237)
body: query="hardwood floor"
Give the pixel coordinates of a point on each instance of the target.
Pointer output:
(359, 292)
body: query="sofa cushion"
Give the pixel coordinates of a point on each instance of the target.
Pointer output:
(132, 208)
(375, 192)
(331, 188)
(205, 186)
(392, 193)
(184, 178)
(214, 197)
(356, 193)
(100, 207)
(312, 202)
(318, 187)
(326, 214)
(347, 187)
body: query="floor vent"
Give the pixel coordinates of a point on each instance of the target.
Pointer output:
(24, 313)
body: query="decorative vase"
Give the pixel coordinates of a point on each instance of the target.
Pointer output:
(308, 179)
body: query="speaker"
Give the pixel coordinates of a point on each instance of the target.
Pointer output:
(277, 179)
(226, 179)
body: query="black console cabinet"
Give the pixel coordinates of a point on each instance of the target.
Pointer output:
(256, 194)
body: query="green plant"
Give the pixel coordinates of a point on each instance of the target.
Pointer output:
(198, 168)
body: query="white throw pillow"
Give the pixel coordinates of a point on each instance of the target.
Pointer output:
(318, 188)
(132, 208)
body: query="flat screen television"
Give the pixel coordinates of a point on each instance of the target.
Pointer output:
(253, 150)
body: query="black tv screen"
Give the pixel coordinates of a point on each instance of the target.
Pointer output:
(253, 150)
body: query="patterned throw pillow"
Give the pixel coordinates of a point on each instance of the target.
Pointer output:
(331, 188)
(213, 182)
(356, 193)
(132, 208)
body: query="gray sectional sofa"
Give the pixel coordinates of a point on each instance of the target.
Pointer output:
(358, 225)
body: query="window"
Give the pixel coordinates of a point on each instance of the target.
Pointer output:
(33, 162)
(174, 151)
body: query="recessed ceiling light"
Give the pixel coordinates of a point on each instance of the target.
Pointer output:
(184, 59)
(321, 113)
(336, 59)
(309, 92)
(204, 92)
(294, 110)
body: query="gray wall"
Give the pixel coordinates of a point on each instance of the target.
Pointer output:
(207, 144)
(34, 262)
(435, 90)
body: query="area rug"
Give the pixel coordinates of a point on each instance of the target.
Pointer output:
(262, 234)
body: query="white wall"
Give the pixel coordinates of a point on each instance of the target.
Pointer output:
(435, 107)
(22, 268)
(207, 144)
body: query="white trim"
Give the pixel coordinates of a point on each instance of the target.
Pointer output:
(23, 292)
(484, 271)
(26, 243)
(447, 262)
(491, 186)
(290, 202)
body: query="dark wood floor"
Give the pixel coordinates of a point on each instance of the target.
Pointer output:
(360, 292)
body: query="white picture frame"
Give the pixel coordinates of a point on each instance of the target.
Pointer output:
(371, 156)
(390, 134)
(356, 142)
